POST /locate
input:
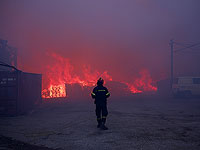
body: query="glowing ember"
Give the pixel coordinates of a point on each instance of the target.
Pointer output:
(54, 91)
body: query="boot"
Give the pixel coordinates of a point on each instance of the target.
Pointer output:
(103, 127)
(99, 122)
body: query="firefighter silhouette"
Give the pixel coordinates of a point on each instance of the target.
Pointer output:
(100, 94)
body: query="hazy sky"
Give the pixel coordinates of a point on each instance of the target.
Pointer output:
(121, 36)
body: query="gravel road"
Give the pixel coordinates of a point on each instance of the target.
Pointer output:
(135, 123)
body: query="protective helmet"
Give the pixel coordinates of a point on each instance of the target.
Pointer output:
(100, 81)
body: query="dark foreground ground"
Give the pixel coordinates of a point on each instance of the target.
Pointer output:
(137, 123)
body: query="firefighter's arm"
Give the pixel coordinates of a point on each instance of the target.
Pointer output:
(93, 93)
(107, 93)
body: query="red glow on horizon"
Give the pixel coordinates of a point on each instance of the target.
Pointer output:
(62, 72)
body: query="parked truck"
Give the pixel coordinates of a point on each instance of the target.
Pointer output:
(186, 86)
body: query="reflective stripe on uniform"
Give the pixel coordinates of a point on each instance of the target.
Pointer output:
(101, 90)
(108, 93)
(98, 118)
(103, 116)
(93, 94)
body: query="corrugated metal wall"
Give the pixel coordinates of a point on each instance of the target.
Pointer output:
(19, 92)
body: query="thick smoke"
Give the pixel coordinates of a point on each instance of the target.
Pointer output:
(123, 37)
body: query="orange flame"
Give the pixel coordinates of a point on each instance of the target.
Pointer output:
(62, 72)
(54, 91)
(143, 83)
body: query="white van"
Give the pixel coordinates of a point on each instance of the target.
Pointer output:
(186, 86)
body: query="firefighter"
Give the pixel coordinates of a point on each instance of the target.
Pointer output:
(100, 94)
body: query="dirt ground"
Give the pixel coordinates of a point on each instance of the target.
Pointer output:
(136, 123)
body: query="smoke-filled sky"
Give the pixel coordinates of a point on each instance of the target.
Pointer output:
(120, 36)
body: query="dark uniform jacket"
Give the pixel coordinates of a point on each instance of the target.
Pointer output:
(100, 94)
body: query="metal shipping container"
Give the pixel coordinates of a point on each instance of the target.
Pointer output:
(19, 92)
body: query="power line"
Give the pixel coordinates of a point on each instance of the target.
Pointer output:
(172, 43)
(187, 47)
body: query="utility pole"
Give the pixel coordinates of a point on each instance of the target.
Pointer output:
(172, 62)
(172, 43)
